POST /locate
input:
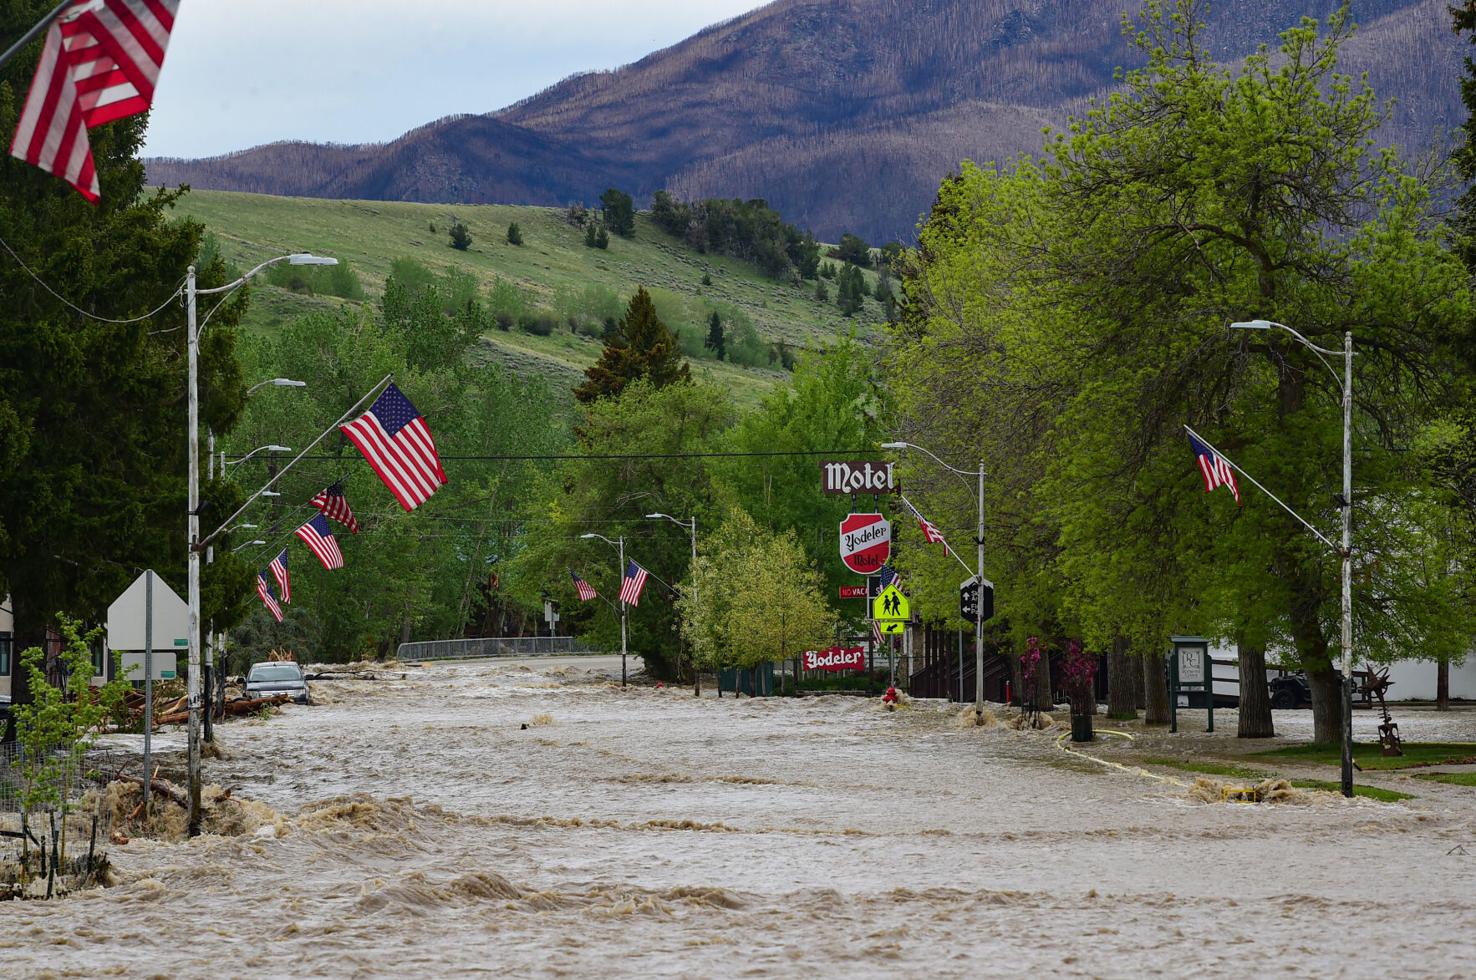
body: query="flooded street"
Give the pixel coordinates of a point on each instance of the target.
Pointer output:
(424, 831)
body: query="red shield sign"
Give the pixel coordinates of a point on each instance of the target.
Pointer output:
(865, 542)
(835, 658)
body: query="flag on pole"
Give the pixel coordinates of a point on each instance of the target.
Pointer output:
(1215, 469)
(100, 62)
(585, 590)
(279, 571)
(889, 576)
(318, 536)
(876, 633)
(633, 583)
(332, 502)
(267, 597)
(393, 437)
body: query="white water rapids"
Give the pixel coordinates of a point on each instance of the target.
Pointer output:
(642, 832)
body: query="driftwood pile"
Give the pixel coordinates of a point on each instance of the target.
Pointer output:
(174, 711)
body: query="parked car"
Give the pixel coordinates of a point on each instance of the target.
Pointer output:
(277, 677)
(1289, 691)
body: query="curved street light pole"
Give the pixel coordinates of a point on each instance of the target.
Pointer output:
(619, 546)
(1346, 552)
(692, 527)
(192, 345)
(979, 560)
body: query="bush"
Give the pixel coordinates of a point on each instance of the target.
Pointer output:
(602, 240)
(506, 302)
(461, 238)
(539, 323)
(853, 249)
(318, 280)
(514, 234)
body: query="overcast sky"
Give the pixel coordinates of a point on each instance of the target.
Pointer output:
(245, 72)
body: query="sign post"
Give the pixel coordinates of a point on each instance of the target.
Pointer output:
(148, 612)
(892, 611)
(1190, 668)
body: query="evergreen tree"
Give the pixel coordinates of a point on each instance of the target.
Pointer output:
(883, 291)
(619, 212)
(514, 234)
(715, 341)
(822, 291)
(807, 258)
(851, 294)
(461, 238)
(853, 249)
(602, 238)
(591, 232)
(92, 414)
(643, 348)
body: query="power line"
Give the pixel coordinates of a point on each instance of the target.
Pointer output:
(77, 309)
(514, 457)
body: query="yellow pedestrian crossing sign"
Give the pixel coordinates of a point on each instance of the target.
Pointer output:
(890, 627)
(891, 606)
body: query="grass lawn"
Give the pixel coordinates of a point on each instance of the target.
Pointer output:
(1367, 792)
(1210, 768)
(1453, 778)
(1369, 756)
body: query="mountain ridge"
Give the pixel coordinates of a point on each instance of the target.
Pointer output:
(819, 105)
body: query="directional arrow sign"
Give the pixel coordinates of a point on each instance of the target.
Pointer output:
(891, 606)
(970, 601)
(892, 626)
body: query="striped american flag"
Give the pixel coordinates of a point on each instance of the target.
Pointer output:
(318, 536)
(633, 583)
(332, 502)
(393, 437)
(100, 62)
(278, 568)
(264, 589)
(1215, 469)
(585, 590)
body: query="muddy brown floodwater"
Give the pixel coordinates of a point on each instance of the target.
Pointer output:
(425, 833)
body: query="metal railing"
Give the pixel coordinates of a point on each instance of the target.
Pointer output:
(493, 647)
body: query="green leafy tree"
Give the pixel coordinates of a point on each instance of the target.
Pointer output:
(654, 431)
(780, 611)
(619, 212)
(461, 238)
(642, 349)
(1069, 314)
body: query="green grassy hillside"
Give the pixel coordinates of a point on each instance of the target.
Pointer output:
(553, 258)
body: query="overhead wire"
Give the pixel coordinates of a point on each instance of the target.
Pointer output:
(79, 310)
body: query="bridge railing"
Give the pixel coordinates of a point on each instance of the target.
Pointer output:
(492, 647)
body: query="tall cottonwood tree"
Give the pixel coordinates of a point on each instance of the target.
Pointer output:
(1070, 313)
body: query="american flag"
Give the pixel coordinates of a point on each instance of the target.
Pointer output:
(318, 536)
(100, 62)
(278, 569)
(889, 576)
(268, 598)
(393, 437)
(332, 502)
(876, 633)
(585, 590)
(633, 583)
(1215, 469)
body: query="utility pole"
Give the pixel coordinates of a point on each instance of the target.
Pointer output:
(1347, 509)
(193, 537)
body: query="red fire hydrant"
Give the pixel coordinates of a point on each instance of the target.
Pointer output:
(890, 697)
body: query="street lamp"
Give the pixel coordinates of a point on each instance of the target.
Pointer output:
(276, 383)
(1346, 507)
(979, 543)
(246, 544)
(258, 449)
(192, 344)
(618, 545)
(692, 527)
